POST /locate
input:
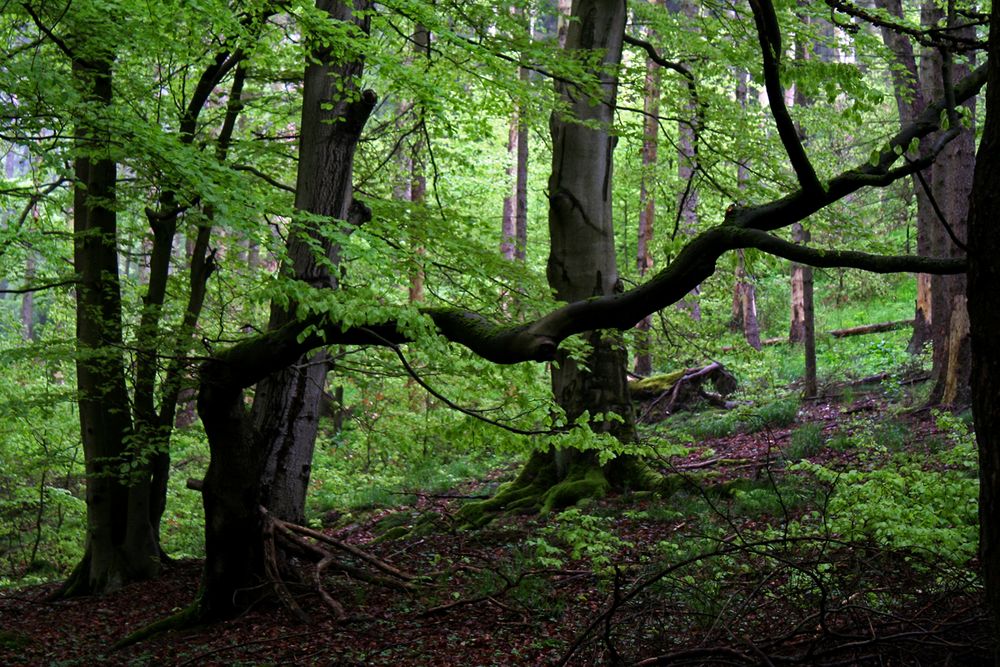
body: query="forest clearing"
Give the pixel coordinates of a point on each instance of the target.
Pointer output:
(569, 332)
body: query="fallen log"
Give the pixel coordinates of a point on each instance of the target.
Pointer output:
(664, 394)
(840, 333)
(871, 328)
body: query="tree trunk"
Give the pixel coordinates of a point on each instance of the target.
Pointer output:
(951, 186)
(285, 413)
(120, 541)
(514, 230)
(582, 254)
(803, 324)
(744, 311)
(647, 206)
(687, 168)
(984, 315)
(263, 458)
(581, 265)
(803, 328)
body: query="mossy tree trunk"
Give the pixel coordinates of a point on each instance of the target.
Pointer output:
(582, 265)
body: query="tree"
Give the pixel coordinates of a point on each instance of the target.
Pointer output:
(942, 190)
(127, 403)
(120, 541)
(984, 310)
(286, 406)
(235, 558)
(647, 201)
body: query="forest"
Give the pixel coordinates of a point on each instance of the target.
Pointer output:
(548, 332)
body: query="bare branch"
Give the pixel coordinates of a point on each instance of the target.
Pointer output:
(38, 288)
(769, 36)
(935, 37)
(264, 177)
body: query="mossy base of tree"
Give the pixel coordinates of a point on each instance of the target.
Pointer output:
(540, 488)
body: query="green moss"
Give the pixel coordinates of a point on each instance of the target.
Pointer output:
(592, 484)
(655, 384)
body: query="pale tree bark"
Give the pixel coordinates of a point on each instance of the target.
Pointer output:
(911, 88)
(687, 166)
(514, 232)
(803, 313)
(744, 310)
(951, 186)
(565, 10)
(803, 316)
(417, 187)
(647, 203)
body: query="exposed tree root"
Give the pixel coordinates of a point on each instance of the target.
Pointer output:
(314, 545)
(280, 537)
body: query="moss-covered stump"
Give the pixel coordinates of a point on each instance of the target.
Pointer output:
(545, 485)
(664, 394)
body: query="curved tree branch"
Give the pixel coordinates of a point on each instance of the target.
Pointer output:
(935, 37)
(769, 35)
(245, 363)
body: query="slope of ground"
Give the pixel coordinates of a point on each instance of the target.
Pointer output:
(701, 578)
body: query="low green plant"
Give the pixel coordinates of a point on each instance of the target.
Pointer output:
(584, 536)
(775, 414)
(906, 506)
(807, 440)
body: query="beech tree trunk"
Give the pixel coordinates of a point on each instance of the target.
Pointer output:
(744, 310)
(803, 327)
(121, 545)
(514, 229)
(262, 458)
(582, 253)
(984, 315)
(286, 406)
(647, 205)
(687, 167)
(951, 185)
(803, 319)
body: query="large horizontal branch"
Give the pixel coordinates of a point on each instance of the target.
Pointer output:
(933, 37)
(247, 362)
(250, 361)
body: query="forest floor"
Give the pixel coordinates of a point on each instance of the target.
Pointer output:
(633, 580)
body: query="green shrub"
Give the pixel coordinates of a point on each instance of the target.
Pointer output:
(807, 440)
(776, 414)
(905, 506)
